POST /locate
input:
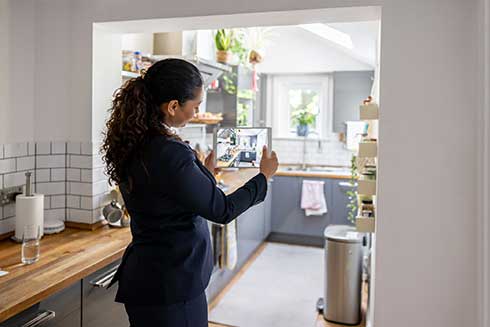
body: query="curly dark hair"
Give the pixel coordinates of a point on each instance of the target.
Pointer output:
(136, 115)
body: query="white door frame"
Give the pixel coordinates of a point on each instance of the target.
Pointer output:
(485, 162)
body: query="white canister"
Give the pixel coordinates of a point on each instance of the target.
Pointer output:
(29, 210)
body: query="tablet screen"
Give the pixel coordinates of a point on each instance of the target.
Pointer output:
(240, 147)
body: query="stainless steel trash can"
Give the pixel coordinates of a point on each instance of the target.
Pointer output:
(343, 274)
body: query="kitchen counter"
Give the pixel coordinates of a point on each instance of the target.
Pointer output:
(65, 258)
(68, 257)
(316, 172)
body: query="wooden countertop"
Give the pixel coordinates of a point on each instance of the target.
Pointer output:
(316, 174)
(68, 257)
(65, 258)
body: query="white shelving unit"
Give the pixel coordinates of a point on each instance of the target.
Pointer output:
(366, 186)
(369, 149)
(365, 224)
(369, 111)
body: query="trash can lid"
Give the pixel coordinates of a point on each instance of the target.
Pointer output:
(342, 233)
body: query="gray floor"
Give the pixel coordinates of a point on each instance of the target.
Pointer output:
(279, 289)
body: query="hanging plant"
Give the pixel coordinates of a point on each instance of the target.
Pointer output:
(352, 193)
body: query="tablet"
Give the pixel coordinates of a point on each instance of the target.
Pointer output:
(240, 147)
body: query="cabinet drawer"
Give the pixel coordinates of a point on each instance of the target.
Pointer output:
(99, 308)
(66, 304)
(62, 309)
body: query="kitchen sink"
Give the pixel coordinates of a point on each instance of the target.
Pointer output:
(323, 169)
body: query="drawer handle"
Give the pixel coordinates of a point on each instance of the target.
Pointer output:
(104, 280)
(41, 318)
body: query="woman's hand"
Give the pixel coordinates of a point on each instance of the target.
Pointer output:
(209, 162)
(268, 163)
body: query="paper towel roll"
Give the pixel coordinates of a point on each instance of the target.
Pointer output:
(29, 210)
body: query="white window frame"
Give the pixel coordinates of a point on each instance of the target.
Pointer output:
(279, 118)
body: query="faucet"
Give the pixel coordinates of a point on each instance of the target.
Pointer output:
(303, 164)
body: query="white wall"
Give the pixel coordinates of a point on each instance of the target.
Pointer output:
(106, 76)
(427, 219)
(17, 71)
(295, 50)
(142, 42)
(484, 136)
(4, 67)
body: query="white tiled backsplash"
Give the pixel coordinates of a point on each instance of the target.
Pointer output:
(290, 151)
(324, 152)
(69, 174)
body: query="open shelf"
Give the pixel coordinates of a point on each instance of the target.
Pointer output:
(365, 224)
(368, 149)
(127, 74)
(369, 111)
(366, 187)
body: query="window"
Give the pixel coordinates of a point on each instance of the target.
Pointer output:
(295, 94)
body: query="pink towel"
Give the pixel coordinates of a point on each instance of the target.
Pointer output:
(313, 198)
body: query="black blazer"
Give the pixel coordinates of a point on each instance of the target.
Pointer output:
(169, 259)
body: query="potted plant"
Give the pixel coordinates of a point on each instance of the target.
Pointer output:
(223, 40)
(303, 118)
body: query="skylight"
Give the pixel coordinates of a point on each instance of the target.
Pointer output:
(330, 34)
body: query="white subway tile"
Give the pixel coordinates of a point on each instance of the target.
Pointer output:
(55, 214)
(73, 201)
(87, 148)
(7, 225)
(9, 210)
(73, 174)
(100, 187)
(51, 188)
(97, 161)
(50, 161)
(58, 174)
(104, 199)
(43, 148)
(79, 161)
(14, 179)
(58, 147)
(87, 175)
(74, 147)
(15, 150)
(1, 151)
(47, 202)
(80, 216)
(7, 166)
(76, 188)
(99, 175)
(25, 163)
(58, 201)
(88, 202)
(31, 148)
(97, 215)
(42, 175)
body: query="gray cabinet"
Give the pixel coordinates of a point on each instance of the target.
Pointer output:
(287, 215)
(288, 219)
(253, 226)
(67, 307)
(268, 211)
(63, 309)
(99, 308)
(340, 201)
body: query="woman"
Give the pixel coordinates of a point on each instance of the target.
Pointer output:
(169, 194)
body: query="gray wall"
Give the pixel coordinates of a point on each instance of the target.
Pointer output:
(349, 89)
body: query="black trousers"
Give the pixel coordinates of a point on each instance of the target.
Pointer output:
(191, 313)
